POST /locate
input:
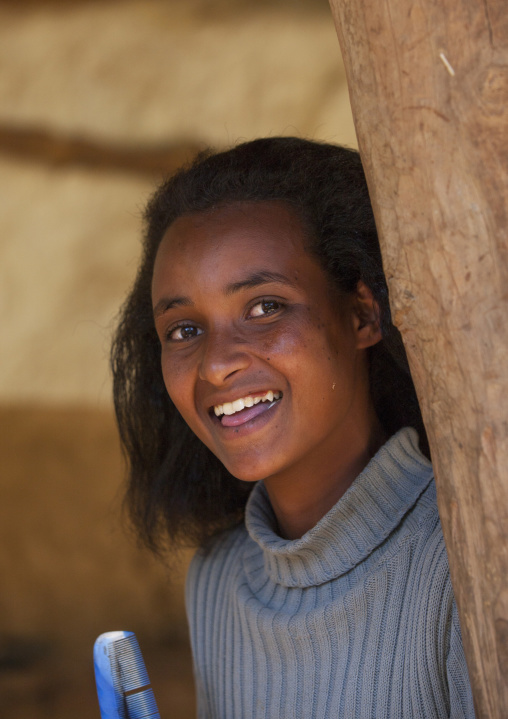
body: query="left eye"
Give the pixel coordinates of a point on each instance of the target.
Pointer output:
(265, 307)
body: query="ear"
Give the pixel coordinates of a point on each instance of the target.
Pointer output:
(367, 317)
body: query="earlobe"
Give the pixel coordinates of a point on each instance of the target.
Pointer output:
(368, 320)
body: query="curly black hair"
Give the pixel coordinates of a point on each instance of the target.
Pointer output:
(177, 489)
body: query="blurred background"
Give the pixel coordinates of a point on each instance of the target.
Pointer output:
(98, 101)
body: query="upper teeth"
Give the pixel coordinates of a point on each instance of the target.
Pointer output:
(239, 404)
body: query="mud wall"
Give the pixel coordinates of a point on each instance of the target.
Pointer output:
(98, 101)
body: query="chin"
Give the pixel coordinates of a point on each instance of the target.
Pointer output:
(247, 476)
(248, 472)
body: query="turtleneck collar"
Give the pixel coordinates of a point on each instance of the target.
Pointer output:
(365, 515)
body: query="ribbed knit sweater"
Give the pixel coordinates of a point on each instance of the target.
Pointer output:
(355, 620)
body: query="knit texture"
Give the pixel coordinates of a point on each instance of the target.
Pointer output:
(355, 620)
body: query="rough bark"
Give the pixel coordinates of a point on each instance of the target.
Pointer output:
(428, 81)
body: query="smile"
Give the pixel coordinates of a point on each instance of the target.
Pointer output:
(237, 405)
(244, 409)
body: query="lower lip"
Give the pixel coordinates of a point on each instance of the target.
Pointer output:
(241, 427)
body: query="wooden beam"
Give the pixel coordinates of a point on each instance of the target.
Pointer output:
(61, 150)
(428, 81)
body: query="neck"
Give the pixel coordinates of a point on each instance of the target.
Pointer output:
(303, 496)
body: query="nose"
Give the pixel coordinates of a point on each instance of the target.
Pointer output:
(223, 355)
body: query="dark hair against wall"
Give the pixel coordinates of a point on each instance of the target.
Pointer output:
(177, 488)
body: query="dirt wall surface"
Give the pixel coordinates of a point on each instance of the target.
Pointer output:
(146, 70)
(98, 101)
(70, 571)
(138, 74)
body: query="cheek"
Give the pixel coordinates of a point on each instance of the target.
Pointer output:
(178, 383)
(287, 339)
(303, 345)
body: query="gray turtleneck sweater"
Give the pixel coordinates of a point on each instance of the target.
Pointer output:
(355, 620)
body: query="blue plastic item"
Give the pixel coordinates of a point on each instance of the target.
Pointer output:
(123, 686)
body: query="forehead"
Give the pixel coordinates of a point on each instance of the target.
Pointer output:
(258, 227)
(228, 240)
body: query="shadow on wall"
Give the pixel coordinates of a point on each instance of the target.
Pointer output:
(69, 572)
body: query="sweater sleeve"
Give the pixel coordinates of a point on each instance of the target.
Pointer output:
(461, 698)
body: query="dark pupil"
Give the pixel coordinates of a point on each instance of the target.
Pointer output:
(188, 332)
(269, 306)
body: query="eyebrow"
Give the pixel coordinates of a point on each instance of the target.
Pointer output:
(167, 303)
(256, 279)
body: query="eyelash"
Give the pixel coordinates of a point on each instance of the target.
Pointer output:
(199, 331)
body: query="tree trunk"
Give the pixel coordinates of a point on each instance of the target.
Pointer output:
(428, 81)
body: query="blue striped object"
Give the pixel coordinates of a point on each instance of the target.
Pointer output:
(123, 686)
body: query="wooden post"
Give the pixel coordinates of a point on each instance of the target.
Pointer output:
(428, 81)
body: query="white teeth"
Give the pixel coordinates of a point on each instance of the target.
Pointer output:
(238, 404)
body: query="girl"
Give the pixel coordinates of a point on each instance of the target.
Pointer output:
(265, 403)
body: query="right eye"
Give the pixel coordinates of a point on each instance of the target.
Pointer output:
(183, 332)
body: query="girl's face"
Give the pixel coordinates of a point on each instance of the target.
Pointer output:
(262, 359)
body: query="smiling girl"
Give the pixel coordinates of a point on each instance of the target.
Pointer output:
(265, 403)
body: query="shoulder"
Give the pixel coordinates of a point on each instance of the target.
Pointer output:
(436, 654)
(422, 532)
(214, 563)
